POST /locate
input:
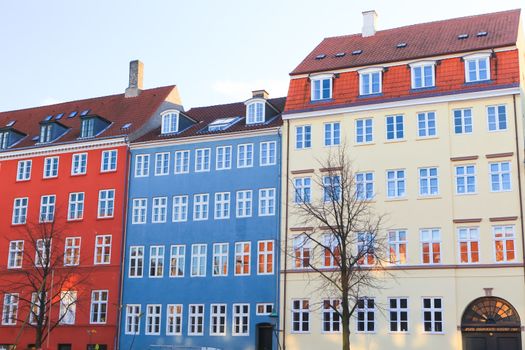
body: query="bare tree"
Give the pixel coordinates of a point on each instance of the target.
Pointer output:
(345, 226)
(42, 281)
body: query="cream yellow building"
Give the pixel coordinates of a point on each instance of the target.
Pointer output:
(431, 116)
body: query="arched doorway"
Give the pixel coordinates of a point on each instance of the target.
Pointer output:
(491, 323)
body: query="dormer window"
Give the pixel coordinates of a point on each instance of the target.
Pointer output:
(423, 74)
(4, 139)
(370, 81)
(321, 87)
(88, 128)
(477, 67)
(255, 113)
(170, 123)
(46, 132)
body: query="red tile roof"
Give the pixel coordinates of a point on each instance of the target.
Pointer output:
(116, 108)
(206, 115)
(423, 40)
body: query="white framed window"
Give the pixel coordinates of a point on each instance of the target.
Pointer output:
(395, 127)
(23, 172)
(300, 316)
(302, 248)
(430, 245)
(196, 319)
(321, 87)
(266, 201)
(462, 121)
(136, 261)
(156, 261)
(504, 240)
(106, 203)
(365, 248)
(303, 190)
(16, 254)
(139, 211)
(202, 159)
(255, 113)
(174, 319)
(364, 131)
(162, 164)
(42, 250)
(265, 257)
(398, 314)
(10, 309)
(102, 249)
(142, 165)
(222, 205)
(241, 320)
(198, 260)
(180, 209)
(426, 124)
(370, 81)
(468, 241)
(177, 260)
(218, 319)
(87, 128)
(428, 181)
(364, 185)
(423, 75)
(396, 183)
(366, 315)
(200, 207)
(465, 179)
(109, 161)
(153, 316)
(79, 164)
(75, 209)
(170, 122)
(268, 153)
(264, 309)
(47, 208)
(245, 155)
(244, 203)
(332, 134)
(132, 319)
(242, 258)
(303, 137)
(99, 307)
(331, 251)
(433, 315)
(331, 188)
(497, 118)
(331, 318)
(50, 167)
(220, 259)
(397, 246)
(500, 177)
(68, 306)
(159, 210)
(182, 162)
(223, 157)
(20, 211)
(34, 310)
(477, 67)
(72, 251)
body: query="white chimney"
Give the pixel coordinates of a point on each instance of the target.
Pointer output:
(369, 23)
(136, 76)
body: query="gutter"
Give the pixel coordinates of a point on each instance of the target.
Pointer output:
(286, 231)
(520, 190)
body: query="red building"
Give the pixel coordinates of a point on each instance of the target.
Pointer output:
(63, 176)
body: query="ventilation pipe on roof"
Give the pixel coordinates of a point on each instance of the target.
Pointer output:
(369, 23)
(260, 94)
(136, 76)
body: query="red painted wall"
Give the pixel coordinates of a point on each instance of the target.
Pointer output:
(450, 76)
(97, 277)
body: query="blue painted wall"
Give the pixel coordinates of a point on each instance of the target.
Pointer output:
(206, 290)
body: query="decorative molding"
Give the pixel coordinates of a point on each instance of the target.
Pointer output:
(304, 171)
(499, 155)
(301, 229)
(325, 170)
(466, 221)
(503, 218)
(464, 158)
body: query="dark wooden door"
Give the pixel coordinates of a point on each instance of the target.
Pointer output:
(264, 337)
(492, 341)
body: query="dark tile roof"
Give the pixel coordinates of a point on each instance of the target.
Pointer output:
(117, 109)
(206, 115)
(423, 40)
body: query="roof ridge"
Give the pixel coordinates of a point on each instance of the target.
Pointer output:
(229, 104)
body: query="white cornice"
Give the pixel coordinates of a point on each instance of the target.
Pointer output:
(405, 103)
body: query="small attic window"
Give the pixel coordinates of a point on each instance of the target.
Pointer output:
(126, 126)
(84, 112)
(357, 52)
(35, 138)
(46, 133)
(340, 54)
(11, 123)
(462, 36)
(48, 118)
(170, 122)
(88, 127)
(320, 57)
(255, 113)
(401, 45)
(483, 33)
(222, 123)
(72, 114)
(4, 140)
(59, 116)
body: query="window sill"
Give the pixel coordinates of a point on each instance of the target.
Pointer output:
(76, 175)
(395, 141)
(108, 171)
(325, 100)
(401, 199)
(364, 144)
(75, 220)
(477, 82)
(105, 218)
(423, 198)
(424, 138)
(379, 94)
(422, 89)
(50, 178)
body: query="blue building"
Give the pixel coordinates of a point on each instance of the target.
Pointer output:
(202, 238)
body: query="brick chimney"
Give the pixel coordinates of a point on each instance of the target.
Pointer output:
(260, 94)
(369, 23)
(136, 76)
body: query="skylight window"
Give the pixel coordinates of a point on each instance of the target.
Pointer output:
(11, 123)
(126, 126)
(483, 33)
(357, 52)
(35, 138)
(320, 57)
(462, 36)
(48, 118)
(72, 114)
(59, 116)
(401, 45)
(84, 112)
(221, 124)
(340, 54)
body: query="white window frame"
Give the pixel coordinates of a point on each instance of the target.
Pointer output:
(218, 319)
(320, 79)
(223, 157)
(23, 172)
(477, 58)
(430, 240)
(102, 255)
(302, 189)
(370, 72)
(81, 160)
(182, 162)
(433, 311)
(303, 142)
(240, 255)
(15, 258)
(366, 309)
(263, 309)
(139, 211)
(362, 183)
(465, 128)
(136, 261)
(174, 317)
(198, 260)
(500, 174)
(106, 206)
(427, 180)
(240, 320)
(244, 203)
(267, 201)
(109, 155)
(167, 124)
(398, 310)
(509, 234)
(153, 319)
(133, 313)
(20, 206)
(50, 167)
(422, 65)
(162, 164)
(423, 124)
(465, 176)
(47, 208)
(245, 155)
(397, 239)
(330, 317)
(334, 136)
(302, 311)
(201, 201)
(397, 181)
(159, 210)
(68, 309)
(142, 165)
(75, 208)
(395, 127)
(362, 131)
(222, 205)
(252, 112)
(268, 153)
(220, 259)
(156, 261)
(201, 154)
(10, 309)
(494, 110)
(195, 314)
(468, 235)
(180, 209)
(72, 251)
(101, 305)
(267, 256)
(177, 260)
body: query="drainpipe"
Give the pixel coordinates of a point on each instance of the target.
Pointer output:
(285, 274)
(519, 183)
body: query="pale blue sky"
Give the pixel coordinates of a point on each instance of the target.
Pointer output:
(215, 51)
